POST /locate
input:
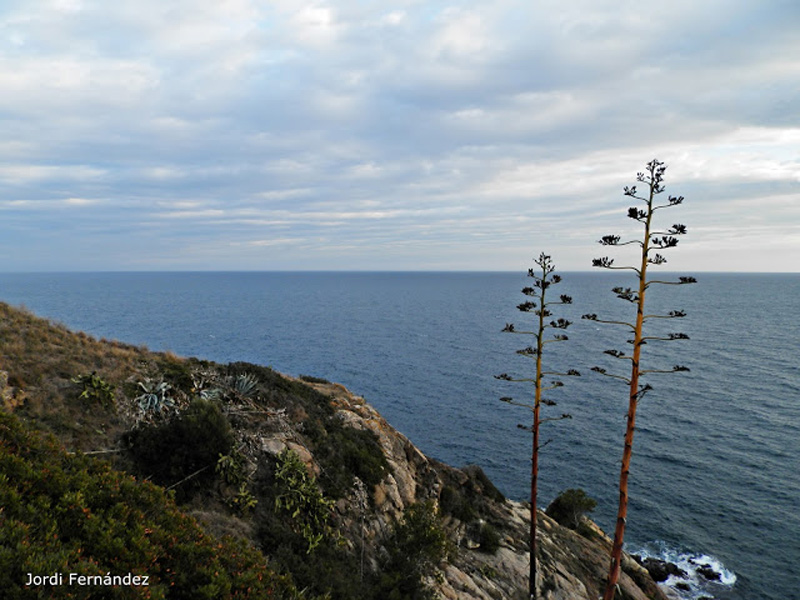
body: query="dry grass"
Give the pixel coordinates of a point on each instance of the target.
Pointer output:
(41, 358)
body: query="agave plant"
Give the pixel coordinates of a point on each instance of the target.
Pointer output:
(204, 384)
(210, 394)
(154, 396)
(242, 385)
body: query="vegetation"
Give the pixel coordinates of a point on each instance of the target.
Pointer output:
(468, 499)
(455, 504)
(345, 453)
(232, 470)
(74, 514)
(488, 538)
(651, 242)
(299, 532)
(301, 501)
(342, 452)
(172, 421)
(570, 506)
(154, 397)
(42, 358)
(95, 389)
(181, 453)
(543, 278)
(313, 379)
(414, 550)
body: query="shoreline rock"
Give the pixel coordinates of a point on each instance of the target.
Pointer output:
(660, 570)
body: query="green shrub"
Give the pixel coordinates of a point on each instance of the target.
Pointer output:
(570, 506)
(483, 484)
(331, 571)
(300, 499)
(95, 389)
(74, 514)
(176, 371)
(415, 549)
(488, 538)
(467, 498)
(345, 452)
(452, 502)
(183, 451)
(287, 534)
(232, 471)
(232, 468)
(488, 571)
(243, 501)
(342, 452)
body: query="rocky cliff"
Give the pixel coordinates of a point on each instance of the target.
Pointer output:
(572, 566)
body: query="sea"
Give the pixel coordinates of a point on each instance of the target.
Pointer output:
(715, 476)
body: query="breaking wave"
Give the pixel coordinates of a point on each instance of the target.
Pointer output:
(705, 575)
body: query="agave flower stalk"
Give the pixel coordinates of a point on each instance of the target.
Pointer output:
(543, 278)
(651, 242)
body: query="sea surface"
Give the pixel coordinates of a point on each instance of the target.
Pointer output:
(715, 475)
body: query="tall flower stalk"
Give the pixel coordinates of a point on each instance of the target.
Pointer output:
(651, 242)
(543, 278)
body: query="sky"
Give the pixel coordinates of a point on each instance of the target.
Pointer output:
(408, 135)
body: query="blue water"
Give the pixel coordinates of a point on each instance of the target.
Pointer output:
(715, 468)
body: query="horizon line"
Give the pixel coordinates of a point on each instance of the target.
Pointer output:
(362, 271)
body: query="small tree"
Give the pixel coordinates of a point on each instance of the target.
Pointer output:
(570, 506)
(543, 278)
(650, 243)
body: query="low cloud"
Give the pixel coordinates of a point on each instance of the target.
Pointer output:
(345, 135)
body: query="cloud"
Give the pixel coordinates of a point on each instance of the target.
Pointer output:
(349, 135)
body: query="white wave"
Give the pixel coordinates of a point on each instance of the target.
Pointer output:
(727, 577)
(695, 585)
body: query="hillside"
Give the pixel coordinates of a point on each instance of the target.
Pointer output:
(297, 483)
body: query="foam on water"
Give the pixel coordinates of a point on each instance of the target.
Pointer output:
(695, 585)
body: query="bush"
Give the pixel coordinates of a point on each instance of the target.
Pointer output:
(95, 389)
(296, 529)
(342, 452)
(188, 446)
(469, 499)
(454, 503)
(175, 371)
(345, 452)
(301, 501)
(74, 514)
(570, 506)
(416, 547)
(488, 538)
(483, 484)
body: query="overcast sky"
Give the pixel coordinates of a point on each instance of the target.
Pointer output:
(416, 135)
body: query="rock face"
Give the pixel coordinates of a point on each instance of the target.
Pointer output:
(571, 566)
